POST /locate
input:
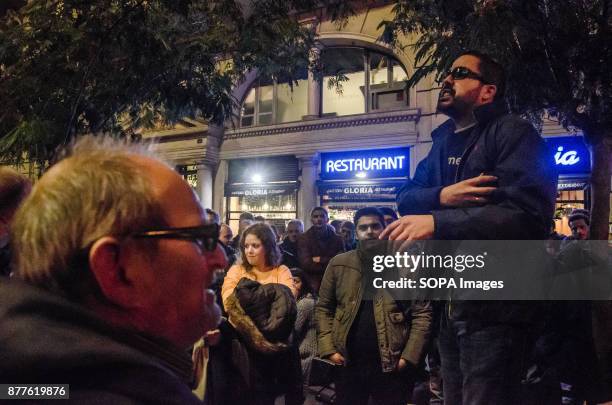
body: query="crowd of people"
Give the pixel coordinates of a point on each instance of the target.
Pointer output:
(115, 263)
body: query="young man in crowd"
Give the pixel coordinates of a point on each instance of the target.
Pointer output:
(317, 246)
(113, 259)
(244, 221)
(376, 341)
(289, 247)
(390, 215)
(347, 231)
(579, 222)
(488, 176)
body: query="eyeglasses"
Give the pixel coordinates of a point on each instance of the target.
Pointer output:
(205, 236)
(461, 72)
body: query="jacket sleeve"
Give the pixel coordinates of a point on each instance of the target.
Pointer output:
(325, 310)
(305, 256)
(522, 205)
(418, 195)
(421, 314)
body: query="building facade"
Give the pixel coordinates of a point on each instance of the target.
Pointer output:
(343, 140)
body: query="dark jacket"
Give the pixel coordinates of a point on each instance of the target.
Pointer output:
(402, 328)
(311, 243)
(290, 253)
(258, 344)
(501, 145)
(521, 208)
(45, 339)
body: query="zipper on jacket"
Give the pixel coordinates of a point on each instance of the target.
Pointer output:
(461, 164)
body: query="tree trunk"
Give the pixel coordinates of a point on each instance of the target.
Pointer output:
(601, 161)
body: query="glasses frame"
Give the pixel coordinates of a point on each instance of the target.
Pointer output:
(461, 72)
(205, 236)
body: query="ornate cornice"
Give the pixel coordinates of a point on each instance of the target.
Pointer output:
(324, 124)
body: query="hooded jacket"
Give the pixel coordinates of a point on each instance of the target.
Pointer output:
(45, 339)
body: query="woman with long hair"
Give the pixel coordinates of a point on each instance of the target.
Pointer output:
(259, 298)
(260, 261)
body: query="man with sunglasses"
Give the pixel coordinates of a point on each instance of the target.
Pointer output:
(113, 260)
(488, 176)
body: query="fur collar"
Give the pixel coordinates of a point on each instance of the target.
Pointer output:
(247, 329)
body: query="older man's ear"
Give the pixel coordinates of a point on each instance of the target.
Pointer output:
(107, 267)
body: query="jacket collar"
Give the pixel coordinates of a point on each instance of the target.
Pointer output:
(490, 111)
(483, 114)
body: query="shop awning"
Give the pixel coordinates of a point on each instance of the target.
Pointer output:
(375, 191)
(264, 189)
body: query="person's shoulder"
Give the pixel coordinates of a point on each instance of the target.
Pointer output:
(513, 124)
(236, 269)
(282, 269)
(348, 259)
(444, 129)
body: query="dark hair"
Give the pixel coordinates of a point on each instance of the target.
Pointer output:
(260, 218)
(388, 211)
(348, 224)
(214, 214)
(579, 213)
(246, 215)
(369, 211)
(306, 287)
(336, 223)
(266, 235)
(491, 70)
(312, 211)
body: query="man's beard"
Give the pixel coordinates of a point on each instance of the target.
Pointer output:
(459, 106)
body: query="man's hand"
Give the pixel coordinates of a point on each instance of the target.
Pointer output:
(468, 193)
(316, 259)
(212, 337)
(401, 365)
(410, 227)
(337, 358)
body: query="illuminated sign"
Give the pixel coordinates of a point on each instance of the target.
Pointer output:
(366, 164)
(359, 192)
(570, 154)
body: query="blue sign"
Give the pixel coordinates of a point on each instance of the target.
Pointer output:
(571, 155)
(366, 164)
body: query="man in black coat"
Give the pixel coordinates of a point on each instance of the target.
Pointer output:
(289, 247)
(488, 176)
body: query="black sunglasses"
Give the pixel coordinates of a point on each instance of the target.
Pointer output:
(205, 236)
(461, 72)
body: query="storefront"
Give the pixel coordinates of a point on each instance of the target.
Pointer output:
(572, 160)
(351, 180)
(265, 187)
(189, 173)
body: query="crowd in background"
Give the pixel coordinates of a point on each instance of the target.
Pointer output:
(303, 257)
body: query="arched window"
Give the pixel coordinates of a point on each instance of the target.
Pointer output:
(358, 80)
(269, 102)
(354, 81)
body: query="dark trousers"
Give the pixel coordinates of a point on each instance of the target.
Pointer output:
(356, 383)
(481, 363)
